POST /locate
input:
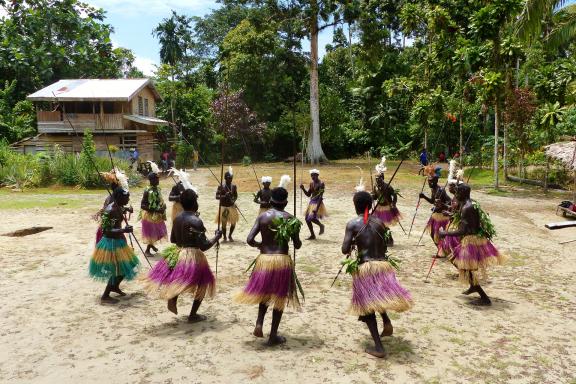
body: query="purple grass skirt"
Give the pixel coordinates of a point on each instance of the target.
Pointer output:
(271, 283)
(474, 255)
(191, 275)
(376, 290)
(447, 245)
(388, 215)
(153, 227)
(437, 221)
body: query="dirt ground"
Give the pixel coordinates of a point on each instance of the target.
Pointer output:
(53, 329)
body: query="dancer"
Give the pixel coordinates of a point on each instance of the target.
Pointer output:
(227, 193)
(262, 197)
(114, 178)
(386, 199)
(113, 260)
(316, 209)
(447, 244)
(440, 199)
(374, 285)
(182, 185)
(153, 212)
(273, 280)
(475, 253)
(186, 270)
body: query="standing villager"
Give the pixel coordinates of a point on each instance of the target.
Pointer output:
(273, 280)
(227, 193)
(475, 253)
(186, 270)
(374, 285)
(263, 196)
(113, 260)
(153, 212)
(447, 244)
(386, 198)
(316, 209)
(182, 185)
(440, 199)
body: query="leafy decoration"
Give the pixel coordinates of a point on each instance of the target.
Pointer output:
(486, 229)
(170, 254)
(108, 222)
(285, 229)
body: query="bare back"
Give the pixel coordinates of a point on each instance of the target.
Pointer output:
(264, 225)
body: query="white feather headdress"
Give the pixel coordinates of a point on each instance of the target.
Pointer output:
(230, 170)
(315, 172)
(460, 176)
(266, 179)
(381, 167)
(121, 177)
(183, 177)
(452, 169)
(284, 181)
(361, 187)
(153, 166)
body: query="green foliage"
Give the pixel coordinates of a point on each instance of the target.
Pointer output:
(246, 161)
(170, 254)
(285, 229)
(16, 117)
(487, 229)
(350, 265)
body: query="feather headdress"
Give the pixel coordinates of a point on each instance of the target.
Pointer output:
(284, 181)
(381, 167)
(230, 171)
(315, 172)
(109, 177)
(266, 179)
(460, 176)
(121, 177)
(430, 171)
(452, 172)
(361, 187)
(183, 177)
(153, 167)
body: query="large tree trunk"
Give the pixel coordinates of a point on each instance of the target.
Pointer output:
(505, 153)
(315, 152)
(496, 121)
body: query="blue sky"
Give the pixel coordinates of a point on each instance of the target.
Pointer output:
(133, 21)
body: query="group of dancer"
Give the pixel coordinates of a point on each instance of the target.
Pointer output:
(459, 228)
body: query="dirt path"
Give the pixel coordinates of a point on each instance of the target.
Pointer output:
(53, 329)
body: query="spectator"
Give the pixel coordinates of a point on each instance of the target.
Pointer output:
(165, 158)
(442, 157)
(423, 160)
(134, 158)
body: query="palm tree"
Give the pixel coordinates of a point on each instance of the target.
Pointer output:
(552, 20)
(552, 115)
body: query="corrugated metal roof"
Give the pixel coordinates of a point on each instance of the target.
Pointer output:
(147, 120)
(93, 90)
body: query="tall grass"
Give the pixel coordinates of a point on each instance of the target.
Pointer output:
(55, 167)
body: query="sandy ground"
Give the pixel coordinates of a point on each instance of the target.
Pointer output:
(53, 329)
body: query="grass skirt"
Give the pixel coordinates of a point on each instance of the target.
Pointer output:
(153, 227)
(475, 254)
(113, 257)
(228, 215)
(320, 213)
(191, 274)
(176, 209)
(437, 221)
(375, 290)
(447, 245)
(99, 234)
(271, 283)
(388, 215)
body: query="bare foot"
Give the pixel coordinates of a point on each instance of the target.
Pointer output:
(108, 300)
(470, 291)
(172, 307)
(321, 229)
(276, 340)
(482, 302)
(148, 254)
(258, 331)
(230, 239)
(225, 239)
(154, 249)
(196, 318)
(312, 237)
(375, 352)
(388, 330)
(118, 291)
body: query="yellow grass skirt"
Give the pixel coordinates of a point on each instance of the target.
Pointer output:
(321, 211)
(272, 283)
(176, 210)
(228, 215)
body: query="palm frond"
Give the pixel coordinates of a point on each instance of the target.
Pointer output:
(528, 25)
(564, 30)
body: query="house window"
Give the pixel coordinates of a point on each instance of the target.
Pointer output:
(127, 142)
(146, 107)
(140, 106)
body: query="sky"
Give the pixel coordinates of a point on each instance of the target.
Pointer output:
(134, 20)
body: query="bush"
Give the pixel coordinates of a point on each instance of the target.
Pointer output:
(246, 161)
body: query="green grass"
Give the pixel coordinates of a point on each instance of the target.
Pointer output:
(27, 201)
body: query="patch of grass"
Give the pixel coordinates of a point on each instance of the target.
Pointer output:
(309, 268)
(516, 259)
(28, 202)
(457, 340)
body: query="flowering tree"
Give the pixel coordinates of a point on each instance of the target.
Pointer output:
(234, 119)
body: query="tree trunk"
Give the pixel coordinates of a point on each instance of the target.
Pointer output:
(546, 174)
(461, 138)
(426, 140)
(315, 152)
(350, 51)
(505, 153)
(496, 121)
(174, 131)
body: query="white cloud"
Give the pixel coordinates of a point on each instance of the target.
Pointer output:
(146, 65)
(154, 7)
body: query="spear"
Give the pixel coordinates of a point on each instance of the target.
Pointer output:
(417, 207)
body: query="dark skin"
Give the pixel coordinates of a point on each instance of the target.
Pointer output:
(369, 240)
(227, 194)
(175, 192)
(268, 245)
(315, 190)
(385, 195)
(469, 225)
(115, 212)
(145, 205)
(263, 196)
(188, 231)
(438, 197)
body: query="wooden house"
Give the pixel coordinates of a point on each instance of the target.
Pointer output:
(118, 112)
